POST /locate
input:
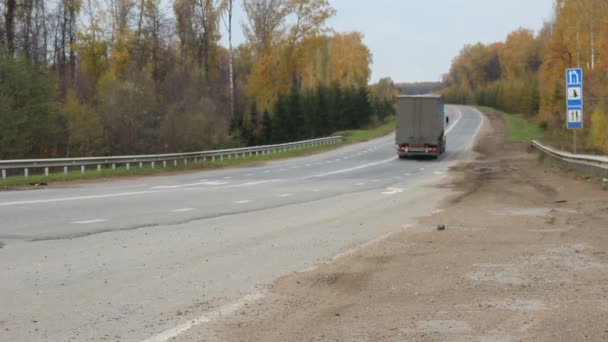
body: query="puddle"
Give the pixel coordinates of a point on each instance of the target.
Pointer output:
(482, 170)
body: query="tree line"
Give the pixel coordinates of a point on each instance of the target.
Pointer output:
(109, 77)
(526, 73)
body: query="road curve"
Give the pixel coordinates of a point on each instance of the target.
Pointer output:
(148, 259)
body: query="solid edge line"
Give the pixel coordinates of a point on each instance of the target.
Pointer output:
(224, 310)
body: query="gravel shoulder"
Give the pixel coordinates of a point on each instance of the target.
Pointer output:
(523, 257)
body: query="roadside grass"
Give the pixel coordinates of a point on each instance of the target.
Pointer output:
(350, 137)
(519, 128)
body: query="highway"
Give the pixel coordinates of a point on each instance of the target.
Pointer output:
(149, 259)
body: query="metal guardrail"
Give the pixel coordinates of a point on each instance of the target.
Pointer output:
(580, 159)
(67, 163)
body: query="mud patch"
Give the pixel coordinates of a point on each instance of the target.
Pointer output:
(341, 281)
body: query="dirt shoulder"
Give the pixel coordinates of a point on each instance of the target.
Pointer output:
(523, 257)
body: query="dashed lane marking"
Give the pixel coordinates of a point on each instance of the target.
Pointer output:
(393, 191)
(89, 221)
(183, 210)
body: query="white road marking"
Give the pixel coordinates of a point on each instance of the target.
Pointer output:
(89, 221)
(351, 169)
(178, 186)
(455, 122)
(360, 184)
(252, 183)
(190, 184)
(183, 210)
(242, 202)
(285, 195)
(134, 193)
(438, 172)
(408, 175)
(393, 191)
(210, 316)
(77, 198)
(399, 177)
(215, 183)
(316, 190)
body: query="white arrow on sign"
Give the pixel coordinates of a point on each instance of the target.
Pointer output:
(573, 77)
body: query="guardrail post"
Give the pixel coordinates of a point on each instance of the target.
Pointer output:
(175, 163)
(46, 172)
(185, 162)
(3, 174)
(152, 164)
(128, 166)
(222, 157)
(98, 167)
(141, 165)
(113, 167)
(164, 163)
(65, 170)
(82, 168)
(26, 172)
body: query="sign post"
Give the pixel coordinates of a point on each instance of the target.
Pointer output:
(574, 100)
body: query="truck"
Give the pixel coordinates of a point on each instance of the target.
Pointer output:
(420, 128)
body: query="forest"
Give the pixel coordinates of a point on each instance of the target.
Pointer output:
(525, 74)
(115, 77)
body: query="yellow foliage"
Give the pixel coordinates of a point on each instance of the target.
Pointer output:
(84, 127)
(350, 59)
(599, 128)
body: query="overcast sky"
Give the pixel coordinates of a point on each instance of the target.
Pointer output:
(415, 40)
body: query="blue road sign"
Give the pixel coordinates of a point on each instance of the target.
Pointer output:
(574, 97)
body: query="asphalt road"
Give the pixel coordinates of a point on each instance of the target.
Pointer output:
(159, 257)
